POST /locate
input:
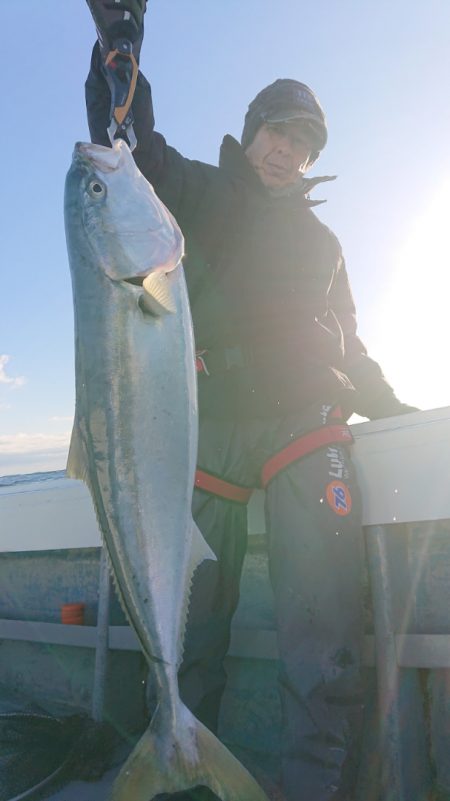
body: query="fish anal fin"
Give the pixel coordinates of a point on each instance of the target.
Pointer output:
(200, 551)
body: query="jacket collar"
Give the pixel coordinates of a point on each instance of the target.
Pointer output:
(233, 159)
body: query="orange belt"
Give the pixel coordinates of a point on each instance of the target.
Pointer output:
(304, 445)
(218, 486)
(308, 443)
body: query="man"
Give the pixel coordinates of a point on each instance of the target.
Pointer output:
(280, 368)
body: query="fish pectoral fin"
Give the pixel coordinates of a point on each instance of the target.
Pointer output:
(169, 758)
(157, 297)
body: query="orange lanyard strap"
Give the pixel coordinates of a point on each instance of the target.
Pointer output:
(121, 72)
(224, 489)
(308, 443)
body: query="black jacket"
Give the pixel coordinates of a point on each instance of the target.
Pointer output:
(266, 280)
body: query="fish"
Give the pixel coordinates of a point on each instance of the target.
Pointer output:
(134, 443)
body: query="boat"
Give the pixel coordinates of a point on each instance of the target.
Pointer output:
(51, 556)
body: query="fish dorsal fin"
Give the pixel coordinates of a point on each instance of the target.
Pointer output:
(157, 297)
(200, 551)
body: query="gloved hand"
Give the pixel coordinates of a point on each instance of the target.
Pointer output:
(122, 19)
(405, 409)
(390, 406)
(120, 31)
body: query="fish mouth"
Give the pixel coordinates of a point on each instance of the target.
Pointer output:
(104, 159)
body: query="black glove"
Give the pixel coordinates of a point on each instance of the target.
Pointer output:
(390, 406)
(122, 19)
(120, 31)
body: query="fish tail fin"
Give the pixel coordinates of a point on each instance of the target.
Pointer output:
(168, 760)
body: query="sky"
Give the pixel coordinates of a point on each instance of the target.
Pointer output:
(380, 69)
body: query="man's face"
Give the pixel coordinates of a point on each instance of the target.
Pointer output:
(279, 152)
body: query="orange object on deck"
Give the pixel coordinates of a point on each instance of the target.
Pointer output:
(73, 614)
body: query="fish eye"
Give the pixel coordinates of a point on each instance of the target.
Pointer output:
(96, 189)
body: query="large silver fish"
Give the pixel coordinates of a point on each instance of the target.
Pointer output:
(134, 443)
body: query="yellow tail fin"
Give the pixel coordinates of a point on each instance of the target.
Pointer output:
(168, 760)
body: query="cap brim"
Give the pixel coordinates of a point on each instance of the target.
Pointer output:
(291, 116)
(317, 130)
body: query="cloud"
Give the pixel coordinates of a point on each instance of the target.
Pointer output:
(31, 443)
(14, 383)
(36, 452)
(30, 453)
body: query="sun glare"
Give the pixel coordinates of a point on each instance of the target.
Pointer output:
(414, 335)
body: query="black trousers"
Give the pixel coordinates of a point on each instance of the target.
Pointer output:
(315, 544)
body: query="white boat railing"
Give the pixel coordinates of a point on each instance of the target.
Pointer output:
(403, 464)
